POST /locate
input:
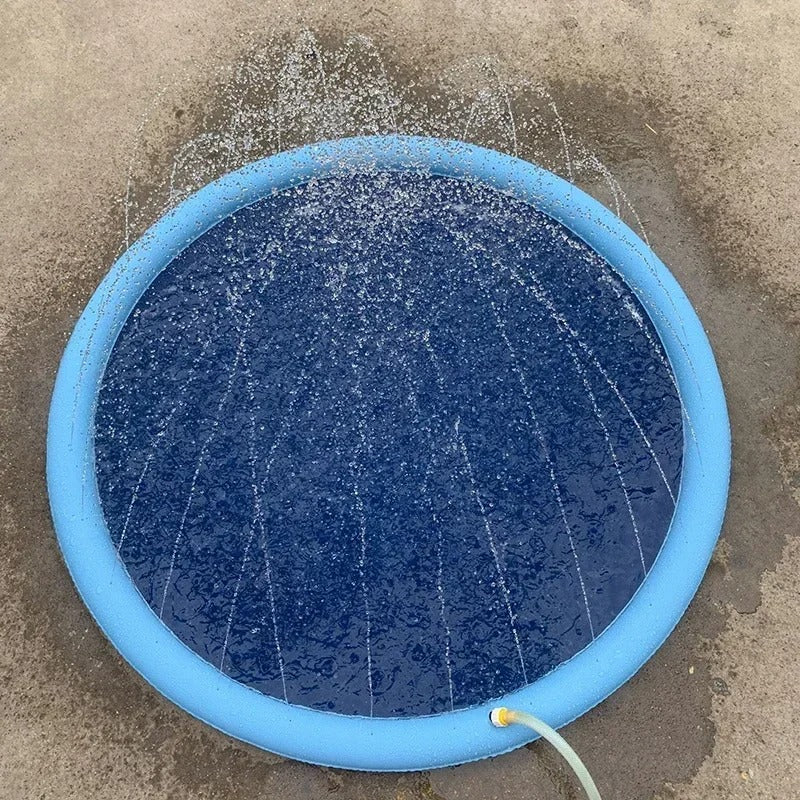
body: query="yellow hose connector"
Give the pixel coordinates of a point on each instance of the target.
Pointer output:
(502, 717)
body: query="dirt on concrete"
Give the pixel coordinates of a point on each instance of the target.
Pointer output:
(695, 109)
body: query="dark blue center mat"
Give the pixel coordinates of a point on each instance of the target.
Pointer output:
(389, 444)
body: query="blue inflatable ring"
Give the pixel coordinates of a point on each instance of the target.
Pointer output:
(385, 743)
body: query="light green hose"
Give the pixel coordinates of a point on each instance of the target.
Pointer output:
(502, 717)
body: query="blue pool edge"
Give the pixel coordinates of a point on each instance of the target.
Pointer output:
(380, 743)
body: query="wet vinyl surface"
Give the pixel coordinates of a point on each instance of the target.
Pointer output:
(388, 444)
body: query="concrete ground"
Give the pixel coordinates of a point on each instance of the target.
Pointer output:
(694, 106)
